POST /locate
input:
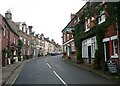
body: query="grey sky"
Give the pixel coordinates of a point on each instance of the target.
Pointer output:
(46, 16)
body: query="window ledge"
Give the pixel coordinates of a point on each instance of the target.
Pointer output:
(87, 29)
(115, 56)
(101, 22)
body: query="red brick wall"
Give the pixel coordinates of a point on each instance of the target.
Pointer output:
(73, 56)
(4, 41)
(11, 37)
(86, 61)
(0, 46)
(111, 31)
(110, 47)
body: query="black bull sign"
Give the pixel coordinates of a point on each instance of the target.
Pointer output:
(112, 67)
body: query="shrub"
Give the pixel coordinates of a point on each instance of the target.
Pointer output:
(97, 60)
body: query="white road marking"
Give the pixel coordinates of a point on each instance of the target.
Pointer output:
(48, 65)
(46, 60)
(60, 78)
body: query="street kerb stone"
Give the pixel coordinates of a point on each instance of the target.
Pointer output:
(8, 71)
(15, 74)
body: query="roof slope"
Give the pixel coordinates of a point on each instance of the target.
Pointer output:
(13, 26)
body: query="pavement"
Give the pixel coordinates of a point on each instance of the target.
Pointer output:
(102, 73)
(10, 72)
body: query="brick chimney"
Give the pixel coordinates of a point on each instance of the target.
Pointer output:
(30, 28)
(8, 15)
(72, 16)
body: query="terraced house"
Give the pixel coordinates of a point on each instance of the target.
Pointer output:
(68, 39)
(95, 33)
(24, 32)
(9, 41)
(1, 45)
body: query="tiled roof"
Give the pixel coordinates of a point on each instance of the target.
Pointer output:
(13, 26)
(17, 23)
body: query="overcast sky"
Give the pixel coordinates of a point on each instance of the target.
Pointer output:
(46, 16)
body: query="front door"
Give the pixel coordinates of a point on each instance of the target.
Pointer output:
(107, 53)
(89, 54)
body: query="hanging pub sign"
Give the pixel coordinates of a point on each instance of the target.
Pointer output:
(70, 30)
(112, 67)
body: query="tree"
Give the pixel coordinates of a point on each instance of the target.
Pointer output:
(20, 45)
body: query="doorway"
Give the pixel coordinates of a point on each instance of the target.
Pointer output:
(107, 53)
(89, 54)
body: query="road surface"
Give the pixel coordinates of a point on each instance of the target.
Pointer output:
(54, 70)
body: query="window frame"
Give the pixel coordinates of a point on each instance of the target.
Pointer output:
(101, 18)
(87, 24)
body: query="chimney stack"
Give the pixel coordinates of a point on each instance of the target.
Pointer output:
(72, 16)
(30, 28)
(8, 15)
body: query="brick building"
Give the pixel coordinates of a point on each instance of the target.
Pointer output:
(13, 37)
(24, 33)
(91, 25)
(9, 41)
(1, 45)
(68, 39)
(5, 28)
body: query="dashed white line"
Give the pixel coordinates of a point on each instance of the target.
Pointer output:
(60, 78)
(48, 65)
(46, 60)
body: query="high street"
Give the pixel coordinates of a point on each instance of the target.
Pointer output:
(54, 70)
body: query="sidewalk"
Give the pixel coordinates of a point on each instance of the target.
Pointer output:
(98, 72)
(11, 72)
(8, 72)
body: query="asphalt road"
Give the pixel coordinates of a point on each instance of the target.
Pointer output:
(54, 70)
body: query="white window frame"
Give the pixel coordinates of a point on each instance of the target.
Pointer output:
(89, 42)
(102, 17)
(24, 41)
(24, 30)
(14, 39)
(20, 38)
(72, 46)
(84, 49)
(78, 19)
(93, 47)
(14, 52)
(28, 42)
(65, 48)
(68, 36)
(114, 48)
(4, 32)
(87, 25)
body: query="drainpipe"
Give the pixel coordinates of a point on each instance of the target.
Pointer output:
(9, 56)
(118, 31)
